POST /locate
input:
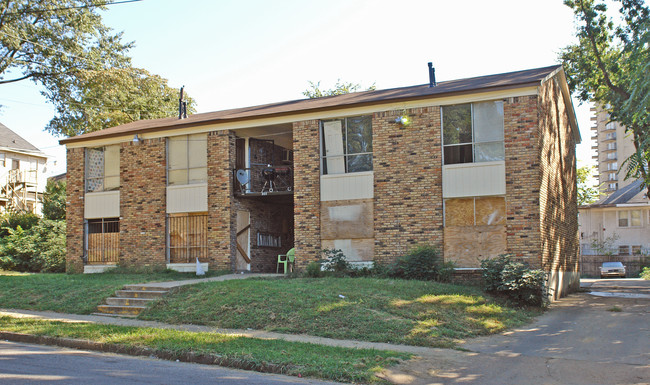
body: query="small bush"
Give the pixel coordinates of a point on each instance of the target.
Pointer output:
(515, 280)
(12, 221)
(314, 269)
(645, 273)
(423, 262)
(334, 261)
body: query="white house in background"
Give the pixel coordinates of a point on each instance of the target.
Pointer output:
(622, 216)
(22, 173)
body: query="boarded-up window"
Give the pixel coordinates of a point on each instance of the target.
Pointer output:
(103, 168)
(187, 157)
(103, 241)
(478, 211)
(187, 237)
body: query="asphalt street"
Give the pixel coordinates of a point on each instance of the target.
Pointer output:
(24, 364)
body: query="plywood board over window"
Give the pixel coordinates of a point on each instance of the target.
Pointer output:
(459, 212)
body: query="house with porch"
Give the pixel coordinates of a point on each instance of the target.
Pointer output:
(22, 173)
(478, 166)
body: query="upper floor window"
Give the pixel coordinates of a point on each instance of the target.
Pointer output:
(103, 168)
(473, 132)
(347, 145)
(187, 159)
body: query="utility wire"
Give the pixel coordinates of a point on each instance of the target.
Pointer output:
(66, 8)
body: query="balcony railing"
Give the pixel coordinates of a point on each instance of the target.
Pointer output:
(263, 180)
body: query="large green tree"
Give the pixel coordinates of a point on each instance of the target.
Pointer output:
(610, 65)
(82, 65)
(314, 91)
(587, 193)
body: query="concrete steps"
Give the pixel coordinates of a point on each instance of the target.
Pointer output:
(131, 300)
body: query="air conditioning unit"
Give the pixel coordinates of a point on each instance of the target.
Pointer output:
(287, 156)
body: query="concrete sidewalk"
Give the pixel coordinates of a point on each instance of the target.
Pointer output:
(226, 277)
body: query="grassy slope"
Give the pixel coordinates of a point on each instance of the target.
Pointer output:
(332, 363)
(380, 310)
(74, 293)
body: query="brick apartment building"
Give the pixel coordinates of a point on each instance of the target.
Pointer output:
(479, 166)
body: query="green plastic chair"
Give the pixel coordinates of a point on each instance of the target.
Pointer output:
(289, 257)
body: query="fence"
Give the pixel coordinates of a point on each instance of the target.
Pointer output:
(590, 264)
(103, 245)
(188, 238)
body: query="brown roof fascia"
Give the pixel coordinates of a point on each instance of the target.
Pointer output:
(173, 126)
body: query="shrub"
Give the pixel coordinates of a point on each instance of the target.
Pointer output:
(41, 248)
(12, 221)
(423, 262)
(334, 261)
(515, 280)
(645, 273)
(314, 269)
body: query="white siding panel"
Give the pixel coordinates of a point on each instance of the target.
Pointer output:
(474, 179)
(102, 205)
(346, 186)
(187, 198)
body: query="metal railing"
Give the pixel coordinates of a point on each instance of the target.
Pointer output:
(263, 180)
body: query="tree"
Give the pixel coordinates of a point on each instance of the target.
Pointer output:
(54, 200)
(587, 194)
(340, 88)
(610, 65)
(64, 46)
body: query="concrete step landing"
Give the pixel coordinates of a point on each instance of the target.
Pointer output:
(131, 300)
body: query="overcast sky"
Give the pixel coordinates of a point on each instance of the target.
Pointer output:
(246, 52)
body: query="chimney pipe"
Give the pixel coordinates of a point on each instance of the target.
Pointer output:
(180, 105)
(432, 75)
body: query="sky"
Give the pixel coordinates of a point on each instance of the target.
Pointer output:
(240, 53)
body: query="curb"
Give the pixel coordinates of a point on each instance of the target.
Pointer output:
(189, 357)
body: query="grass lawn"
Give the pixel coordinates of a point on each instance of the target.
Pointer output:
(71, 293)
(379, 310)
(292, 358)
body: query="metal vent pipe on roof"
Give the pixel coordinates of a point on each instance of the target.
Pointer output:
(432, 75)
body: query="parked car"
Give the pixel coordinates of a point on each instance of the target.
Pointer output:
(612, 269)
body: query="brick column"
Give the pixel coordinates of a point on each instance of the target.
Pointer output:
(407, 163)
(75, 210)
(221, 215)
(522, 158)
(306, 196)
(143, 203)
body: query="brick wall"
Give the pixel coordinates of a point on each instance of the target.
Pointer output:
(558, 192)
(522, 158)
(407, 163)
(222, 218)
(142, 203)
(306, 175)
(75, 210)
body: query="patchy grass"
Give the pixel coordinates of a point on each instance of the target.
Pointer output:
(292, 358)
(71, 293)
(615, 309)
(378, 310)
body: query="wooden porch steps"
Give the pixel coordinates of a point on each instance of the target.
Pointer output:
(131, 300)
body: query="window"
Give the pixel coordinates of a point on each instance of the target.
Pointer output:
(611, 155)
(103, 168)
(611, 146)
(347, 145)
(610, 126)
(612, 176)
(479, 211)
(636, 250)
(187, 157)
(3, 160)
(187, 237)
(631, 218)
(612, 166)
(612, 186)
(624, 250)
(610, 136)
(473, 132)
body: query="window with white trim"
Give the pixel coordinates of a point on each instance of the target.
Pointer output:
(472, 132)
(629, 218)
(346, 145)
(103, 168)
(187, 159)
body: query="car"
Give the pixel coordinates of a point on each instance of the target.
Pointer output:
(612, 269)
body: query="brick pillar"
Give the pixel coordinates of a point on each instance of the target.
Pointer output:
(522, 159)
(142, 203)
(75, 210)
(306, 196)
(221, 216)
(407, 163)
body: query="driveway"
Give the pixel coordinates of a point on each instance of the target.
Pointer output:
(582, 339)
